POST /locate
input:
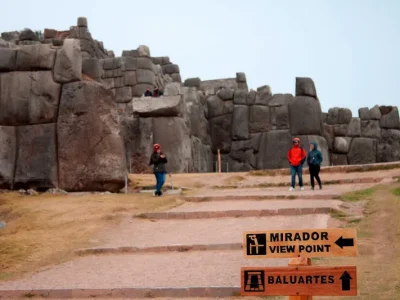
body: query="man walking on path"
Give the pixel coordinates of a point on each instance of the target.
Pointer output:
(314, 160)
(158, 159)
(296, 156)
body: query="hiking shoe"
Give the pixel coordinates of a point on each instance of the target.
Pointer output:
(154, 193)
(320, 187)
(291, 189)
(301, 189)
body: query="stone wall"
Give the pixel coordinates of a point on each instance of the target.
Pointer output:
(56, 130)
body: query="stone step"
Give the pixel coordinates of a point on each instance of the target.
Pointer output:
(212, 273)
(182, 235)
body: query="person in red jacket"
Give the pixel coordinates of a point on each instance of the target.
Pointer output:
(296, 156)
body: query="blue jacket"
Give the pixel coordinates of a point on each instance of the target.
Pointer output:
(314, 157)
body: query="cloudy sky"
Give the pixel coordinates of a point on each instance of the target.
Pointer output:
(351, 48)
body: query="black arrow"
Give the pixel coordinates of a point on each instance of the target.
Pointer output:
(341, 242)
(345, 278)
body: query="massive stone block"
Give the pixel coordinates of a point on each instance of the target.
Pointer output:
(305, 141)
(35, 57)
(192, 82)
(123, 94)
(202, 157)
(169, 106)
(226, 94)
(36, 165)
(240, 126)
(364, 114)
(370, 129)
(8, 142)
(221, 133)
(90, 148)
(305, 116)
(273, 150)
(391, 119)
(340, 129)
(240, 97)
(305, 87)
(145, 63)
(259, 118)
(389, 146)
(339, 159)
(263, 97)
(170, 68)
(344, 116)
(145, 76)
(8, 59)
(28, 98)
(68, 65)
(375, 113)
(329, 135)
(279, 117)
(218, 107)
(354, 128)
(362, 151)
(281, 100)
(195, 108)
(342, 145)
(173, 136)
(92, 68)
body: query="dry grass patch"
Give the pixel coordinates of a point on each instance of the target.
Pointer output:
(45, 230)
(378, 238)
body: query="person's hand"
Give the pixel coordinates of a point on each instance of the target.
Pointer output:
(162, 156)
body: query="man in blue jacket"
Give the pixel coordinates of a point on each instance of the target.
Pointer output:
(314, 160)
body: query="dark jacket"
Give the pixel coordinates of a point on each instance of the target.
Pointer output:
(148, 94)
(314, 157)
(158, 162)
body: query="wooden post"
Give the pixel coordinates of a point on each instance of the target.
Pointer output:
(219, 161)
(300, 261)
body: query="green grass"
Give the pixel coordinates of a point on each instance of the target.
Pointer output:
(366, 194)
(338, 214)
(396, 192)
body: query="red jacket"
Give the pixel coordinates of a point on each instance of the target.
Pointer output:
(296, 156)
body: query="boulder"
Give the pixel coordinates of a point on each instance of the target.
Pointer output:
(130, 53)
(305, 141)
(114, 63)
(280, 100)
(130, 78)
(251, 97)
(145, 77)
(108, 83)
(259, 118)
(240, 126)
(217, 107)
(172, 89)
(333, 116)
(10, 36)
(36, 165)
(123, 94)
(173, 136)
(225, 94)
(329, 135)
(389, 146)
(35, 57)
(139, 89)
(263, 97)
(370, 129)
(255, 139)
(362, 151)
(8, 149)
(111, 73)
(170, 69)
(176, 77)
(340, 129)
(68, 65)
(390, 120)
(354, 128)
(339, 159)
(324, 117)
(264, 89)
(305, 87)
(28, 98)
(164, 106)
(91, 151)
(145, 63)
(119, 82)
(192, 82)
(201, 158)
(305, 116)
(8, 58)
(221, 133)
(375, 113)
(364, 114)
(27, 35)
(92, 68)
(130, 63)
(342, 145)
(246, 156)
(143, 50)
(82, 22)
(240, 97)
(195, 113)
(240, 77)
(344, 116)
(279, 117)
(274, 146)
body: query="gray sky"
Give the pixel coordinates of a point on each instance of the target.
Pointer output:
(351, 48)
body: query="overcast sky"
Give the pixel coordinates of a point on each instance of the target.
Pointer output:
(351, 48)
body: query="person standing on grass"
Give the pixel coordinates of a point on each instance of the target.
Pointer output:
(296, 156)
(158, 159)
(314, 160)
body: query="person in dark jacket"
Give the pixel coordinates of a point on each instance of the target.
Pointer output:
(158, 159)
(296, 156)
(148, 93)
(314, 160)
(155, 93)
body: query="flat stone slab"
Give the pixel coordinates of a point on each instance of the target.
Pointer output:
(164, 106)
(159, 270)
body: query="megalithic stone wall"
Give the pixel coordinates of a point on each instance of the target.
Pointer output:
(56, 130)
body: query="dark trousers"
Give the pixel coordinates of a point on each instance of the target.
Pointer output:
(314, 173)
(299, 171)
(160, 179)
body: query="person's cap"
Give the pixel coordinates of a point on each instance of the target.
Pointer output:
(156, 146)
(296, 140)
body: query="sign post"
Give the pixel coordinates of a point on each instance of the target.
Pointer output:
(300, 280)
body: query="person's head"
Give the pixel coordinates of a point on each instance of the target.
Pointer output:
(157, 148)
(147, 90)
(296, 142)
(313, 146)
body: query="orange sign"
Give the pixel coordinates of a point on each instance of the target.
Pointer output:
(305, 243)
(293, 281)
